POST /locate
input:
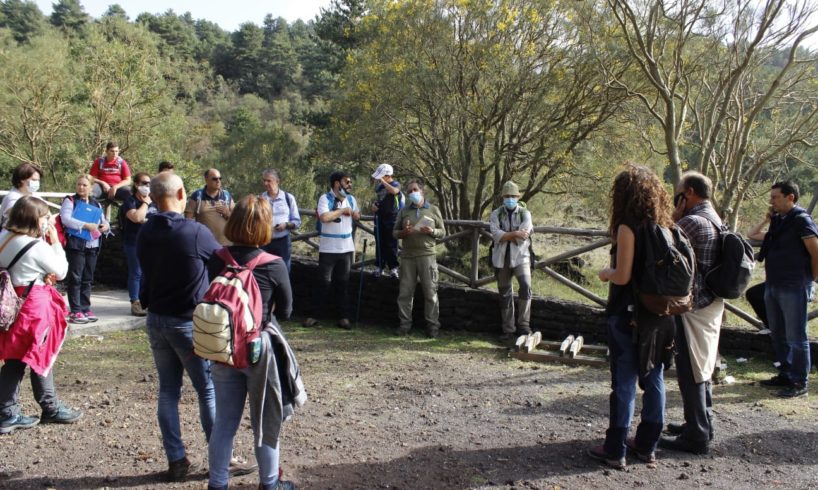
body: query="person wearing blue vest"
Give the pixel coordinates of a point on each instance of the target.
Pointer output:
(336, 211)
(790, 252)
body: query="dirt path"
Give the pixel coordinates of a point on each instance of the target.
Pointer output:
(399, 414)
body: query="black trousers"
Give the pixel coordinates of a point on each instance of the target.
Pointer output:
(755, 296)
(81, 266)
(333, 274)
(386, 250)
(697, 398)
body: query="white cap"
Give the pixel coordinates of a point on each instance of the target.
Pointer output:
(382, 170)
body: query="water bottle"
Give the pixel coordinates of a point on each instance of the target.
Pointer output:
(254, 350)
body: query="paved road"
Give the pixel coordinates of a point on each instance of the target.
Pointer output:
(114, 312)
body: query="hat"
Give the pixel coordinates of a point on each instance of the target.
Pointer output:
(510, 189)
(382, 170)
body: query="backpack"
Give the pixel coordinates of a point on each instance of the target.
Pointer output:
(60, 229)
(330, 206)
(228, 319)
(10, 303)
(663, 281)
(101, 163)
(731, 275)
(197, 196)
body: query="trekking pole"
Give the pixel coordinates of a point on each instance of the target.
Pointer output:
(360, 285)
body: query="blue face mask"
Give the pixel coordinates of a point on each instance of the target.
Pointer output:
(510, 202)
(344, 192)
(416, 197)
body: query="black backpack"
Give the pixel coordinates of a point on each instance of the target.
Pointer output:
(664, 279)
(734, 268)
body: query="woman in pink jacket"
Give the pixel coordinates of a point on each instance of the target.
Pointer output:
(35, 338)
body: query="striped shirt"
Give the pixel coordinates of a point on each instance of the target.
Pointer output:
(704, 238)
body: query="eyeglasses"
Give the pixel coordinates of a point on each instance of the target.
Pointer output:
(215, 178)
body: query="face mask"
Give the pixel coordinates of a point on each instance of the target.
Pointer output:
(44, 229)
(33, 185)
(416, 197)
(677, 199)
(144, 190)
(510, 203)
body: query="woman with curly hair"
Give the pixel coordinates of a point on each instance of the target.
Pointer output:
(638, 199)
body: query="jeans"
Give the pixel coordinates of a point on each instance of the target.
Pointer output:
(523, 274)
(787, 320)
(333, 274)
(624, 376)
(81, 266)
(171, 340)
(281, 247)
(412, 270)
(386, 245)
(11, 376)
(231, 392)
(134, 271)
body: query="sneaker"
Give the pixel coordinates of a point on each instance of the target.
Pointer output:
(77, 317)
(239, 467)
(598, 453)
(684, 445)
(310, 322)
(89, 315)
(344, 323)
(177, 470)
(280, 485)
(797, 389)
(394, 273)
(649, 458)
(62, 415)
(136, 309)
(18, 421)
(777, 381)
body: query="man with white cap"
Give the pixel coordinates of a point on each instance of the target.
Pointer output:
(386, 206)
(511, 228)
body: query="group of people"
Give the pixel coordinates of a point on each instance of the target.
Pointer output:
(641, 342)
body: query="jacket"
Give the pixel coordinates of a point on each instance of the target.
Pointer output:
(499, 225)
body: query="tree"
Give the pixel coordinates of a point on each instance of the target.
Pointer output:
(69, 16)
(115, 10)
(469, 95)
(728, 83)
(23, 18)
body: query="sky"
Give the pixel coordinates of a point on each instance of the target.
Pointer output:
(228, 14)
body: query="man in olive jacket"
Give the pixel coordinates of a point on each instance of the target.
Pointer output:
(418, 224)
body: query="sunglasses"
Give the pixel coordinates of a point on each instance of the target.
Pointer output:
(215, 178)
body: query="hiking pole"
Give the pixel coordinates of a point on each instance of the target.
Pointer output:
(360, 285)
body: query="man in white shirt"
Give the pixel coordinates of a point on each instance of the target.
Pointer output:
(337, 210)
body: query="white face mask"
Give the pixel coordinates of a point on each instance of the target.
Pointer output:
(144, 190)
(33, 185)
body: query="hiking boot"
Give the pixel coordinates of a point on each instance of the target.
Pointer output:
(675, 429)
(19, 421)
(77, 318)
(136, 309)
(344, 323)
(432, 333)
(777, 381)
(62, 415)
(280, 485)
(177, 470)
(89, 315)
(649, 458)
(598, 453)
(684, 445)
(239, 467)
(310, 322)
(797, 389)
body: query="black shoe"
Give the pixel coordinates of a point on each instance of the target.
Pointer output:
(432, 333)
(311, 322)
(777, 381)
(793, 391)
(402, 332)
(649, 458)
(178, 470)
(684, 445)
(675, 429)
(19, 421)
(506, 337)
(598, 453)
(344, 323)
(523, 331)
(62, 415)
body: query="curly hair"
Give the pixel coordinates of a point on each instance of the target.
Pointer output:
(637, 196)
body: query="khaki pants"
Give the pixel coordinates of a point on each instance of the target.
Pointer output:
(412, 270)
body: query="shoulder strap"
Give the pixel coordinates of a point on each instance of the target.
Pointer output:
(721, 228)
(330, 200)
(21, 253)
(228, 259)
(289, 198)
(351, 201)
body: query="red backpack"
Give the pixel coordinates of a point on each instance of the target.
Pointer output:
(228, 319)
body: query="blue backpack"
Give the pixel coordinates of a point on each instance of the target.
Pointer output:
(331, 205)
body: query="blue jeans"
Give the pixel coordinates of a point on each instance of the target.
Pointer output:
(787, 319)
(134, 271)
(231, 391)
(171, 340)
(624, 376)
(281, 247)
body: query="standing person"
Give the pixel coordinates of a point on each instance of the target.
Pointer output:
(111, 175)
(136, 210)
(173, 253)
(511, 228)
(25, 180)
(285, 216)
(419, 224)
(638, 199)
(790, 252)
(211, 205)
(81, 248)
(248, 228)
(38, 333)
(697, 331)
(164, 166)
(337, 210)
(386, 207)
